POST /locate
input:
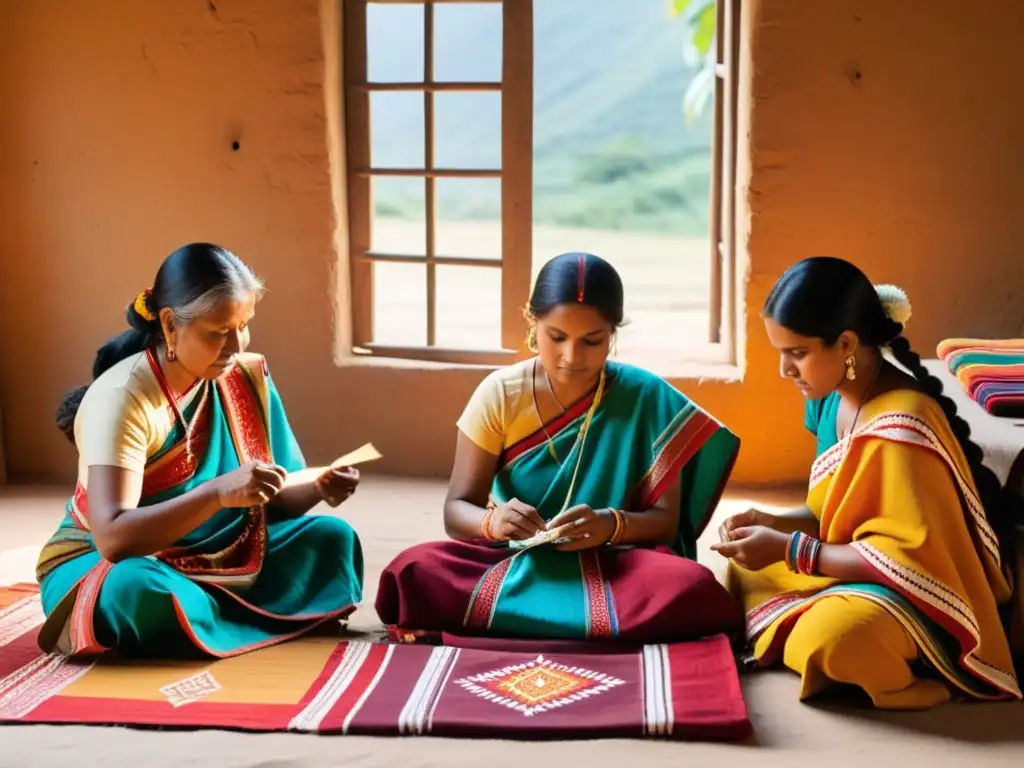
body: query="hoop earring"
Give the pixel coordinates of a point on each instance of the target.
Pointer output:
(851, 368)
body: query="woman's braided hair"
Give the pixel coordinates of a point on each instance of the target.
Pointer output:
(822, 297)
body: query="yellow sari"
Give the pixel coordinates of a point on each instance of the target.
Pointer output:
(900, 492)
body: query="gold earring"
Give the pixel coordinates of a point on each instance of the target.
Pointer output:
(531, 339)
(171, 355)
(851, 368)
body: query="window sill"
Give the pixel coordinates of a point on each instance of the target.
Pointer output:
(349, 359)
(681, 369)
(696, 362)
(700, 372)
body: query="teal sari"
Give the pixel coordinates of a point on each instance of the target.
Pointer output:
(643, 436)
(244, 579)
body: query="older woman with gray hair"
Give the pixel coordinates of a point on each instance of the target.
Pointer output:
(187, 530)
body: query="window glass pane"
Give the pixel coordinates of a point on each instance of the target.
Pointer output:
(467, 41)
(396, 129)
(394, 42)
(469, 218)
(398, 223)
(467, 130)
(400, 304)
(468, 307)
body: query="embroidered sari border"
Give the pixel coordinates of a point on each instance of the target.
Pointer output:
(960, 667)
(175, 465)
(945, 608)
(930, 597)
(913, 430)
(483, 601)
(555, 427)
(599, 605)
(245, 416)
(933, 606)
(690, 435)
(82, 629)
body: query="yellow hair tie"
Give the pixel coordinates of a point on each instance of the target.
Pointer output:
(142, 306)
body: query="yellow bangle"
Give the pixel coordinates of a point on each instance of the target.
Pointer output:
(620, 527)
(485, 524)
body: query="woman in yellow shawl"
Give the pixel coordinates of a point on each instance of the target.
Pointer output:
(891, 578)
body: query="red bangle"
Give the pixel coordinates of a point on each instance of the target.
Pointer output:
(803, 553)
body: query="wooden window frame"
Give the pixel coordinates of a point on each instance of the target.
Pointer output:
(515, 174)
(723, 283)
(516, 178)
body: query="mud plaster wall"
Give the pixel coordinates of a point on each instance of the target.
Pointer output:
(878, 131)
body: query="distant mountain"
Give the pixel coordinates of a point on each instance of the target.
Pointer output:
(611, 145)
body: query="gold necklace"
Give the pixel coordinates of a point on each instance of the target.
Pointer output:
(551, 389)
(536, 407)
(581, 439)
(856, 415)
(590, 413)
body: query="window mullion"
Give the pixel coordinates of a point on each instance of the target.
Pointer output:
(517, 169)
(357, 149)
(430, 200)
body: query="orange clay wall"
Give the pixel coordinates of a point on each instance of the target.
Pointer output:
(887, 133)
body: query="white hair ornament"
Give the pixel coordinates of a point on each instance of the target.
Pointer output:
(895, 303)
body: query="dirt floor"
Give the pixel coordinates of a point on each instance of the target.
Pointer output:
(391, 513)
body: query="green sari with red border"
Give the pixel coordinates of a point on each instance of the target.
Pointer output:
(244, 579)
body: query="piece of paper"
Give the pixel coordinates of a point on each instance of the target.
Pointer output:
(537, 540)
(360, 455)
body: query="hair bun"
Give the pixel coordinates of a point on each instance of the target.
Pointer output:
(895, 303)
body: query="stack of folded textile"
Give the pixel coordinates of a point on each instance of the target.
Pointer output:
(990, 370)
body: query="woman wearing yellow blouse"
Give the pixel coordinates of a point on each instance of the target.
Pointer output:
(579, 489)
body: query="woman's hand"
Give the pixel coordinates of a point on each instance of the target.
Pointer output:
(515, 520)
(253, 483)
(336, 484)
(754, 547)
(585, 527)
(745, 520)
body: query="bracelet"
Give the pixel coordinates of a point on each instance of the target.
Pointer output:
(620, 527)
(319, 487)
(802, 553)
(485, 523)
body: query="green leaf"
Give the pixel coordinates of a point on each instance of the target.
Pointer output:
(700, 18)
(696, 9)
(703, 30)
(698, 93)
(677, 7)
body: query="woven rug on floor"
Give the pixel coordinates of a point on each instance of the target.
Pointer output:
(686, 691)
